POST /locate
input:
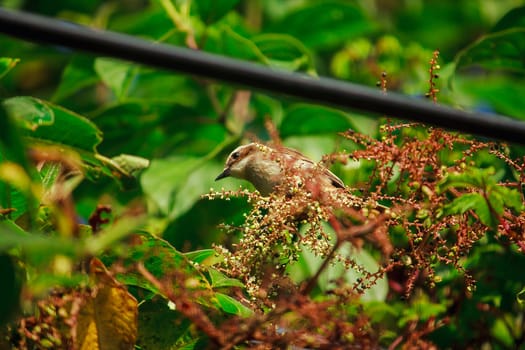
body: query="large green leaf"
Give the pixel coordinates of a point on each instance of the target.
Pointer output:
(153, 313)
(471, 178)
(325, 24)
(515, 18)
(47, 124)
(51, 124)
(162, 260)
(501, 51)
(164, 179)
(145, 126)
(275, 50)
(152, 86)
(502, 94)
(510, 197)
(487, 208)
(176, 184)
(471, 201)
(304, 119)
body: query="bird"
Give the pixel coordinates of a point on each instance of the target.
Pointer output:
(268, 167)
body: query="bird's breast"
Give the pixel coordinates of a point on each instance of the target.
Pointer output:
(264, 175)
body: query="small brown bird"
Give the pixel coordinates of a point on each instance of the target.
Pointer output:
(266, 168)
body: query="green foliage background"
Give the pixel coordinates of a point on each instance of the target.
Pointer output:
(99, 111)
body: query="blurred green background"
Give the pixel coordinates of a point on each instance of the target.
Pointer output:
(187, 126)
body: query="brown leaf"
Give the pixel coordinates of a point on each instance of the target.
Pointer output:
(107, 319)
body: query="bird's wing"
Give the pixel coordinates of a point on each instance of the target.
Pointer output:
(336, 181)
(308, 163)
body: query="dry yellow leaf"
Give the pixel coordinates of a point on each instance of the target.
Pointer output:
(107, 318)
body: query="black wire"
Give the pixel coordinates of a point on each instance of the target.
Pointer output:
(319, 90)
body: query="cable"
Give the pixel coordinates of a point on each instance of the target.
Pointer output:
(324, 91)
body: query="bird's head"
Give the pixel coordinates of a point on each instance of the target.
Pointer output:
(239, 160)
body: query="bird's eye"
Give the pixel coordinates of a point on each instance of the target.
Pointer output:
(235, 155)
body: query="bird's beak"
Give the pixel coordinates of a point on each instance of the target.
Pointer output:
(225, 173)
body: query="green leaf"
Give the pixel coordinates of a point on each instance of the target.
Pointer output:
(49, 173)
(464, 203)
(115, 74)
(12, 147)
(503, 333)
(150, 22)
(325, 24)
(175, 184)
(421, 310)
(219, 280)
(501, 197)
(153, 313)
(47, 124)
(472, 201)
(165, 177)
(511, 197)
(51, 124)
(13, 199)
(381, 312)
(29, 111)
(38, 248)
(7, 64)
(131, 165)
(303, 119)
(225, 41)
(274, 50)
(128, 168)
(211, 10)
(501, 51)
(515, 18)
(285, 52)
(163, 255)
(78, 74)
(206, 257)
(502, 93)
(161, 259)
(496, 201)
(13, 160)
(154, 89)
(480, 178)
(232, 306)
